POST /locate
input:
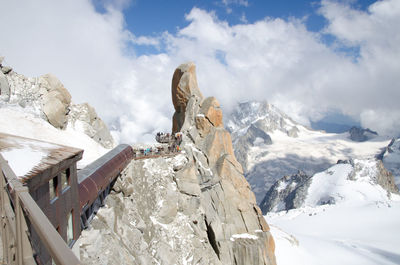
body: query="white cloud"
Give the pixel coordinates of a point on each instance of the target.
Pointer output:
(236, 2)
(272, 59)
(243, 18)
(228, 3)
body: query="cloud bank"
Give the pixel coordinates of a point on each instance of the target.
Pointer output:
(279, 60)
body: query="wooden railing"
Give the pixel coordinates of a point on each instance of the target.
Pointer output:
(16, 204)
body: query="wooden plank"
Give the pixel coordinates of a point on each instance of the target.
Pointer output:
(57, 247)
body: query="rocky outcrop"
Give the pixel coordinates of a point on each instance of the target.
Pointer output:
(287, 193)
(4, 69)
(55, 100)
(83, 117)
(4, 86)
(194, 208)
(184, 85)
(386, 179)
(358, 134)
(293, 132)
(229, 204)
(390, 156)
(47, 98)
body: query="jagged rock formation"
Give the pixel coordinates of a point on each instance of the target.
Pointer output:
(84, 117)
(46, 97)
(183, 82)
(55, 100)
(384, 178)
(291, 192)
(390, 157)
(229, 204)
(4, 86)
(195, 208)
(358, 134)
(287, 193)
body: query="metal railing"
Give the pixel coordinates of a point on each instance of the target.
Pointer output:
(16, 204)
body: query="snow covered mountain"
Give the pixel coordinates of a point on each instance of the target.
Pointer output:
(347, 214)
(270, 145)
(348, 181)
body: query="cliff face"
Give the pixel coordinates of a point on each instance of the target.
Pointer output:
(194, 208)
(214, 175)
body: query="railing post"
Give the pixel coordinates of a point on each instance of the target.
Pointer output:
(3, 223)
(24, 248)
(17, 210)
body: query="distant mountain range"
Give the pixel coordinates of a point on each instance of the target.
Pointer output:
(270, 145)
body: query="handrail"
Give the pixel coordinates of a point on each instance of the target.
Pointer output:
(57, 247)
(24, 205)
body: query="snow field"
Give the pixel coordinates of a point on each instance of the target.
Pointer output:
(314, 144)
(362, 227)
(21, 122)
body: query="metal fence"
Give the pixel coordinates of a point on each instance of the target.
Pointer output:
(16, 205)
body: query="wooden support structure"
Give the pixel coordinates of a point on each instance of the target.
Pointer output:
(16, 205)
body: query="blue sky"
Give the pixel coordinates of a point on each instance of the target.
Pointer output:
(153, 17)
(309, 58)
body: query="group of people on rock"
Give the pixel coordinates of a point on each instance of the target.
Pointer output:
(173, 140)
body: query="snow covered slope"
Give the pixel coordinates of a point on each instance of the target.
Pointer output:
(23, 122)
(41, 108)
(346, 218)
(293, 147)
(357, 235)
(348, 181)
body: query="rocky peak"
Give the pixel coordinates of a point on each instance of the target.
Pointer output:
(390, 157)
(55, 100)
(358, 134)
(214, 175)
(287, 193)
(263, 115)
(184, 86)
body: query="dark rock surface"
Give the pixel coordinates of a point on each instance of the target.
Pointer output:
(287, 193)
(358, 134)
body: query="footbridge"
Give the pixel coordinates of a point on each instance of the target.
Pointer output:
(26, 223)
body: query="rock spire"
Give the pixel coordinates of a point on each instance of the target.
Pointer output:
(234, 224)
